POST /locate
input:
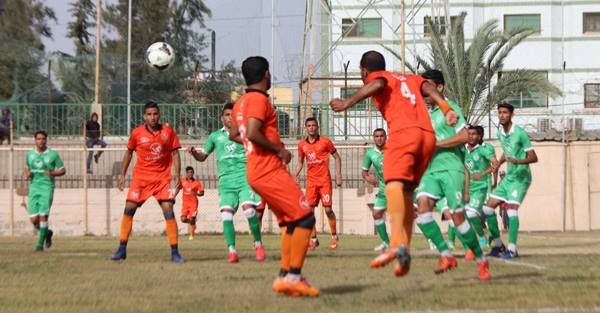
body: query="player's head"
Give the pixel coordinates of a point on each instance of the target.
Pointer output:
(436, 77)
(475, 135)
(379, 137)
(226, 114)
(189, 172)
(94, 117)
(151, 113)
(256, 70)
(371, 61)
(505, 113)
(41, 138)
(312, 126)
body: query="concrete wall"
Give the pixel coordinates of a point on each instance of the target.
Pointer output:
(542, 209)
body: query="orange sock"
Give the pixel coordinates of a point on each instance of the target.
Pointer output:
(172, 231)
(286, 249)
(192, 230)
(394, 191)
(313, 232)
(332, 223)
(300, 239)
(126, 225)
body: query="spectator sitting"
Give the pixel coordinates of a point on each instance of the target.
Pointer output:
(93, 134)
(5, 120)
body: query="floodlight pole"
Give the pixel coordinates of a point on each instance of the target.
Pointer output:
(402, 36)
(97, 108)
(129, 68)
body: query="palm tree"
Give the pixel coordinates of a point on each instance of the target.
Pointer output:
(470, 71)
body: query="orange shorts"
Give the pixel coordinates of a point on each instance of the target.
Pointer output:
(141, 190)
(282, 193)
(322, 192)
(407, 154)
(190, 211)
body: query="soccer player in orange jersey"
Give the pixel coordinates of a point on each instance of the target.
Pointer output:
(157, 148)
(192, 189)
(255, 123)
(316, 149)
(410, 145)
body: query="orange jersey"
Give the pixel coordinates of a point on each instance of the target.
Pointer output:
(190, 190)
(255, 104)
(153, 151)
(401, 102)
(317, 159)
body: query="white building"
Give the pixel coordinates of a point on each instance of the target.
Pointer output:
(568, 34)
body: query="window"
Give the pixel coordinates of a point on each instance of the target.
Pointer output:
(528, 99)
(592, 96)
(591, 22)
(523, 20)
(438, 21)
(365, 27)
(351, 91)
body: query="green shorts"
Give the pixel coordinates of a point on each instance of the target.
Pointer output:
(232, 197)
(443, 184)
(380, 202)
(511, 191)
(477, 200)
(39, 201)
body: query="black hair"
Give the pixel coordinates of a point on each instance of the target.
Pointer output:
(372, 61)
(189, 168)
(506, 105)
(379, 130)
(254, 69)
(40, 132)
(93, 114)
(435, 75)
(228, 106)
(480, 131)
(151, 104)
(311, 119)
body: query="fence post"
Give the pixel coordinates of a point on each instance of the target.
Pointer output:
(341, 204)
(108, 184)
(85, 182)
(11, 179)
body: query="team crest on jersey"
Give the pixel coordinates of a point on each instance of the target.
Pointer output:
(38, 163)
(476, 157)
(47, 159)
(156, 148)
(144, 140)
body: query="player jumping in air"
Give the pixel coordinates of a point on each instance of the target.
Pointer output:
(42, 166)
(518, 153)
(374, 158)
(316, 149)
(234, 190)
(409, 148)
(157, 148)
(255, 123)
(192, 189)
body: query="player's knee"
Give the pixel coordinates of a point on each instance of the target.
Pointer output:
(129, 211)
(329, 212)
(169, 214)
(193, 221)
(226, 216)
(184, 219)
(250, 213)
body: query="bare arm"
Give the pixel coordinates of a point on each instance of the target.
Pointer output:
(57, 173)
(124, 166)
(467, 195)
(461, 138)
(234, 134)
(200, 156)
(299, 166)
(369, 178)
(177, 168)
(338, 168)
(489, 170)
(258, 138)
(530, 158)
(372, 88)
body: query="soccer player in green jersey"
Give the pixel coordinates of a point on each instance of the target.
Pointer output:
(445, 177)
(480, 160)
(42, 165)
(518, 153)
(374, 158)
(233, 184)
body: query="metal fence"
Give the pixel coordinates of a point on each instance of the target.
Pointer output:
(66, 120)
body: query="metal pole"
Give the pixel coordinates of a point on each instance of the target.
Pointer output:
(49, 117)
(11, 180)
(97, 108)
(85, 183)
(272, 47)
(213, 52)
(128, 68)
(345, 97)
(402, 36)
(564, 141)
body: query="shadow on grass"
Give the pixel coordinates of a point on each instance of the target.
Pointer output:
(344, 289)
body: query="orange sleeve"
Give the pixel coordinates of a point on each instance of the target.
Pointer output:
(330, 147)
(132, 141)
(376, 75)
(257, 107)
(300, 149)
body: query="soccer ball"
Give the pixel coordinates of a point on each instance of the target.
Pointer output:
(160, 55)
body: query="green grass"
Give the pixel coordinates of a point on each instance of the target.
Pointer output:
(556, 272)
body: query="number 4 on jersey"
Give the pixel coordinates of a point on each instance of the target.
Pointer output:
(407, 93)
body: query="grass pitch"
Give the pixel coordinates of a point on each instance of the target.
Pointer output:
(556, 272)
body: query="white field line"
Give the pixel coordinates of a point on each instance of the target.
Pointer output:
(519, 263)
(538, 310)
(559, 237)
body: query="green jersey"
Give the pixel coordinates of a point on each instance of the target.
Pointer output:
(39, 163)
(515, 144)
(374, 157)
(231, 158)
(447, 159)
(478, 161)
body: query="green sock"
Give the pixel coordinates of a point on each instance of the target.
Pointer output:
(461, 238)
(432, 231)
(42, 237)
(492, 222)
(469, 239)
(382, 231)
(477, 226)
(513, 227)
(254, 225)
(229, 233)
(451, 234)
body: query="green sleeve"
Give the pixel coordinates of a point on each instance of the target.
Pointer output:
(525, 142)
(58, 163)
(489, 151)
(366, 164)
(27, 160)
(209, 147)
